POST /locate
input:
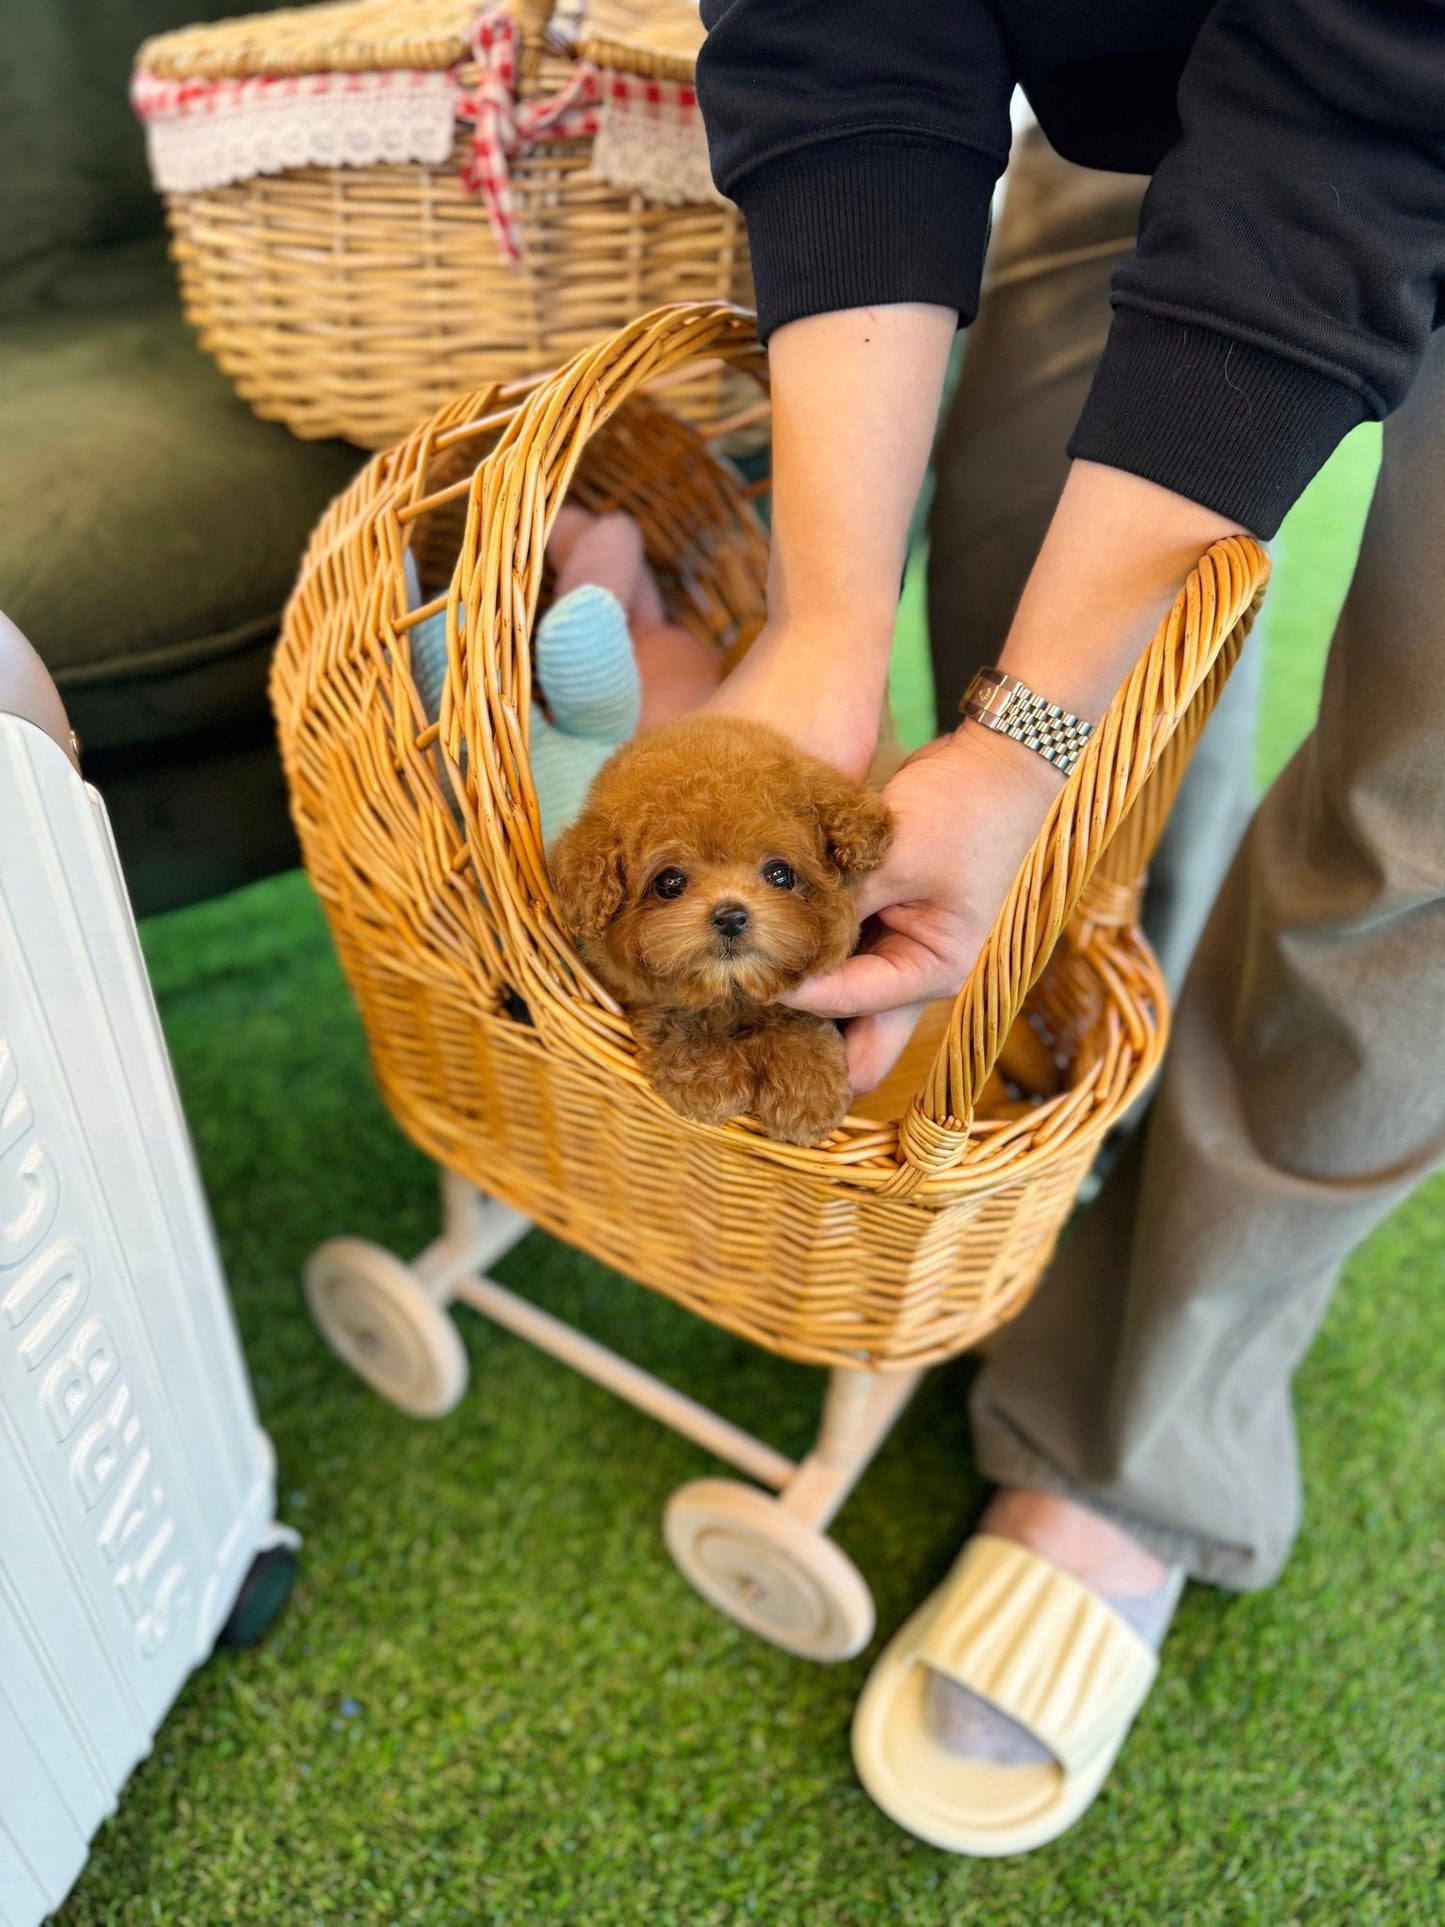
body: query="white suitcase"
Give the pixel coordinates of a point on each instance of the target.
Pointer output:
(136, 1486)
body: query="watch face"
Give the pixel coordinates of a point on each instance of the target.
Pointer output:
(987, 697)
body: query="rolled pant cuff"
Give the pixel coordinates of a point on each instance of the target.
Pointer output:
(1004, 1459)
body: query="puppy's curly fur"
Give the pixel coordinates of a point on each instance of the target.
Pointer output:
(712, 869)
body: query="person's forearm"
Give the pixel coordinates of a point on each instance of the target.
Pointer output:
(855, 402)
(1117, 550)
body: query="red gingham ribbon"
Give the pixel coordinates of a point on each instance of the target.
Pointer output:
(505, 129)
(154, 98)
(663, 99)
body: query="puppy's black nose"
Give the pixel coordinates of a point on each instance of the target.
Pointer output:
(730, 919)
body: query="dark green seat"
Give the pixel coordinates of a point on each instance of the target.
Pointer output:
(150, 525)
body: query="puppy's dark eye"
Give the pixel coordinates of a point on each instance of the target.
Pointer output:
(779, 875)
(669, 884)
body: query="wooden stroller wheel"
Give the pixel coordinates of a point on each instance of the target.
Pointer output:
(376, 1315)
(768, 1569)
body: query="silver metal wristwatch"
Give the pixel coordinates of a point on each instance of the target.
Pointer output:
(1004, 703)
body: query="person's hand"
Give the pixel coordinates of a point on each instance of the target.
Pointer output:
(969, 806)
(967, 809)
(789, 678)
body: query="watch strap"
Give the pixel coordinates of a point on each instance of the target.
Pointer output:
(1002, 703)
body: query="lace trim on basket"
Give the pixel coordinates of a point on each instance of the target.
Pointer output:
(205, 134)
(651, 142)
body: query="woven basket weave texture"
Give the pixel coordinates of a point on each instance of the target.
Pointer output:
(354, 302)
(922, 1223)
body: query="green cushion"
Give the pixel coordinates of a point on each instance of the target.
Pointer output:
(150, 525)
(72, 154)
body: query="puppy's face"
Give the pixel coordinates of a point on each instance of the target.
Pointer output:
(713, 860)
(716, 909)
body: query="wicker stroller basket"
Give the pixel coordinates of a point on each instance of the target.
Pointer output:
(353, 300)
(923, 1222)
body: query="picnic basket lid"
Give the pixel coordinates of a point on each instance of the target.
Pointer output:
(656, 38)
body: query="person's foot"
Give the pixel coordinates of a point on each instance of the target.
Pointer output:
(1121, 1571)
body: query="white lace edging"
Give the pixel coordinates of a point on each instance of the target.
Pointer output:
(230, 133)
(663, 159)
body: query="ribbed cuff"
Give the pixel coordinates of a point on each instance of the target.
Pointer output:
(865, 221)
(1236, 428)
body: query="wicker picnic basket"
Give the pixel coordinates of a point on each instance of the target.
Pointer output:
(354, 300)
(923, 1222)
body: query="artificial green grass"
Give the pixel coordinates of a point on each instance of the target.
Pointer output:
(1314, 554)
(493, 1699)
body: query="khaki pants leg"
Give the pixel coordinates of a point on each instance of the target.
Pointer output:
(1302, 1096)
(1000, 466)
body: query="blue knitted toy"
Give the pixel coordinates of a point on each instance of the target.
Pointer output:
(582, 653)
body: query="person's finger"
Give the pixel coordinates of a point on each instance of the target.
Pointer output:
(874, 1045)
(896, 973)
(881, 889)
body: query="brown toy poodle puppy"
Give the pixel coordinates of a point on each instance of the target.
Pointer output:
(711, 869)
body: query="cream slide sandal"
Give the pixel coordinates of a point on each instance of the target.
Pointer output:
(1040, 1646)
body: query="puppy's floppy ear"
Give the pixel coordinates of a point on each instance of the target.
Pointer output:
(857, 824)
(587, 874)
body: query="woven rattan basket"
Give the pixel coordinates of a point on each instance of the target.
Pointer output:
(922, 1223)
(353, 301)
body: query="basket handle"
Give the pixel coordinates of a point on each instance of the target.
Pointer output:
(1092, 852)
(525, 480)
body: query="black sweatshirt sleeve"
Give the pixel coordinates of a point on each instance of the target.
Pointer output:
(1291, 257)
(862, 144)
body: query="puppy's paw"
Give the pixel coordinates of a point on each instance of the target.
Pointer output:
(703, 1078)
(801, 1077)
